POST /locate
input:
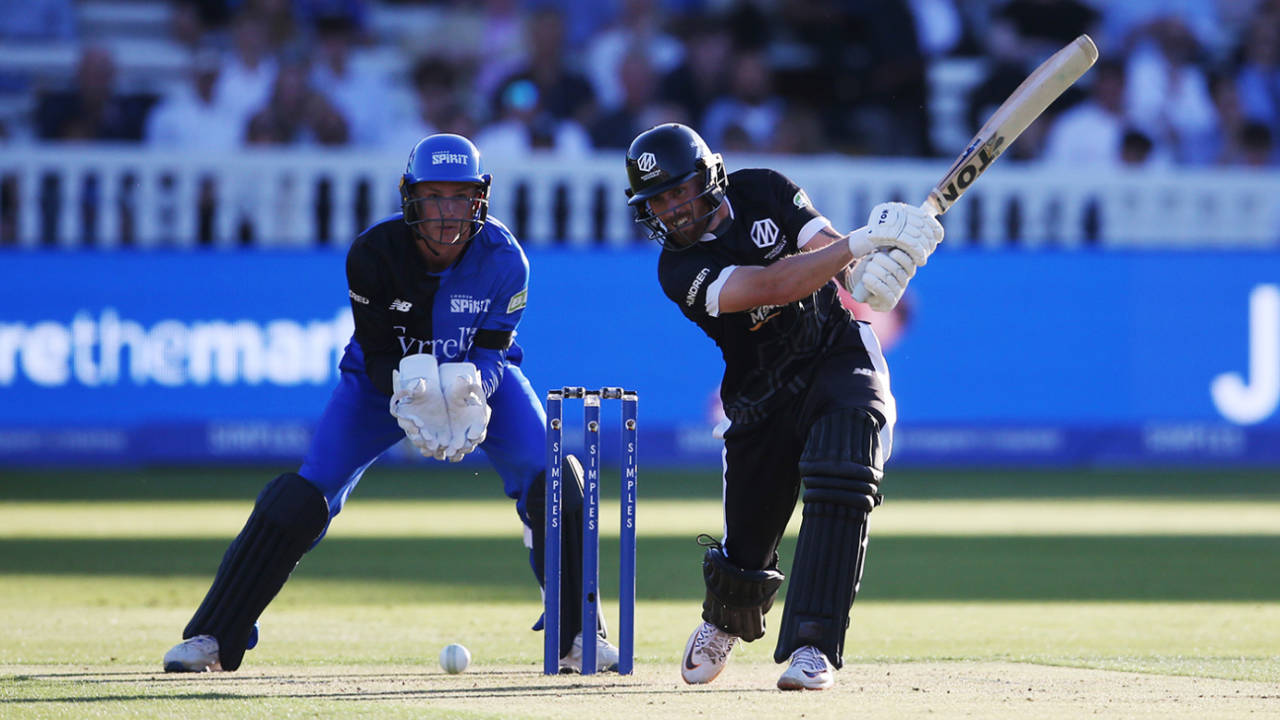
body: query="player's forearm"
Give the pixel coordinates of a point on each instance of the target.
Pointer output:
(491, 364)
(801, 275)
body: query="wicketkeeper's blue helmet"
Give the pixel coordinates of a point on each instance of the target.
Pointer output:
(445, 157)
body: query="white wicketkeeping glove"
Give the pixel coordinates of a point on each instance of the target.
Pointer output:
(418, 405)
(883, 278)
(468, 411)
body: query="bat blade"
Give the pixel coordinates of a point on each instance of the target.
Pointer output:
(1044, 85)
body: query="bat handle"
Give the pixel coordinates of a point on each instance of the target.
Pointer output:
(931, 206)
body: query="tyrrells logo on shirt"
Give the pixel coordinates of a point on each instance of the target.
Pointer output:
(467, 304)
(443, 348)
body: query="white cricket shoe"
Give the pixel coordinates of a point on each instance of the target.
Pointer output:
(809, 670)
(606, 656)
(197, 654)
(706, 654)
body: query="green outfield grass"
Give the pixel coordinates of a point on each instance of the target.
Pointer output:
(1157, 572)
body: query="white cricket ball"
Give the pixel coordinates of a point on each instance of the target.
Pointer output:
(454, 658)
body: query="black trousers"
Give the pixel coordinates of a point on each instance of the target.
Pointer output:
(761, 475)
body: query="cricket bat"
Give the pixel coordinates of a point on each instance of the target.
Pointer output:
(1044, 85)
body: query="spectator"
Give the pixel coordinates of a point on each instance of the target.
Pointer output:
(939, 27)
(561, 91)
(639, 86)
(638, 28)
(704, 74)
(1225, 92)
(1135, 148)
(889, 111)
(189, 118)
(1259, 78)
(1044, 26)
(248, 72)
(1214, 23)
(800, 132)
(503, 31)
(91, 109)
(1257, 145)
(1167, 95)
(187, 27)
(1091, 133)
(358, 93)
(297, 113)
(435, 82)
(524, 125)
(278, 21)
(752, 104)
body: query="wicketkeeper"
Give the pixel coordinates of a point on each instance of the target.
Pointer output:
(437, 292)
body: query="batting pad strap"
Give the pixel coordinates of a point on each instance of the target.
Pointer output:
(845, 444)
(842, 491)
(737, 599)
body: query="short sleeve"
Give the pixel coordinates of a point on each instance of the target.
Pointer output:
(800, 220)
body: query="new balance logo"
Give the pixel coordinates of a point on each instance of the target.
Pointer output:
(400, 305)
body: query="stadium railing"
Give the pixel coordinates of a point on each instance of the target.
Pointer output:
(121, 196)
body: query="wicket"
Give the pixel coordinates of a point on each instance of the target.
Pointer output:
(590, 527)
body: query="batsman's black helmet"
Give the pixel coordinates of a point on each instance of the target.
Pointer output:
(664, 157)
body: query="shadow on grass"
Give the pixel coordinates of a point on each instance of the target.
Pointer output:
(435, 481)
(1118, 567)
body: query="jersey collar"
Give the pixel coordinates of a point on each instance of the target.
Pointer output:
(708, 236)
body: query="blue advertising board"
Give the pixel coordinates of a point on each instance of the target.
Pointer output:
(1021, 357)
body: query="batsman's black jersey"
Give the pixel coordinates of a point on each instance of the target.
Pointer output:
(468, 312)
(768, 351)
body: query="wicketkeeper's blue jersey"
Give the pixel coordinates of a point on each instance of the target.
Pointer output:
(469, 312)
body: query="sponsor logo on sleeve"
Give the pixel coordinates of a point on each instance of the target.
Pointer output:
(764, 233)
(697, 283)
(518, 301)
(358, 298)
(800, 199)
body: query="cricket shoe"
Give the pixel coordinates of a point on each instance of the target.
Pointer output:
(197, 654)
(606, 656)
(809, 670)
(706, 654)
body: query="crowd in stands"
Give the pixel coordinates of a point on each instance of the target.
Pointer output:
(1181, 82)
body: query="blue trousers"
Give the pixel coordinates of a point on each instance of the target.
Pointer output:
(357, 427)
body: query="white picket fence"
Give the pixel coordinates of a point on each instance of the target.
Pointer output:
(124, 196)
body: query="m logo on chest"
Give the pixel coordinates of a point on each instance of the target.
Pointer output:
(764, 233)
